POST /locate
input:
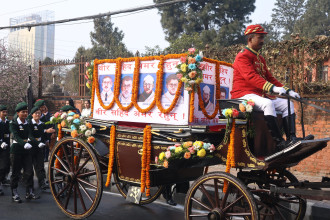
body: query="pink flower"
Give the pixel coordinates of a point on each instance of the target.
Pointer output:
(183, 59)
(191, 150)
(156, 160)
(235, 113)
(192, 74)
(191, 50)
(168, 154)
(87, 64)
(86, 77)
(179, 75)
(177, 145)
(212, 148)
(57, 114)
(250, 103)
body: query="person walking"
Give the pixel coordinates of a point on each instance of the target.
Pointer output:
(20, 153)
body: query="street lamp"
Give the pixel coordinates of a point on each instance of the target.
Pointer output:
(54, 74)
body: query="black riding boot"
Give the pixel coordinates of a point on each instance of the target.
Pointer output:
(167, 194)
(290, 122)
(275, 132)
(15, 196)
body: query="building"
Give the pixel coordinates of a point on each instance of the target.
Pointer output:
(36, 43)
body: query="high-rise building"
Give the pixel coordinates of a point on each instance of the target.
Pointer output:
(36, 43)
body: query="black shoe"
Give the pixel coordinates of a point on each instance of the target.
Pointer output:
(1, 192)
(44, 186)
(16, 198)
(171, 202)
(31, 196)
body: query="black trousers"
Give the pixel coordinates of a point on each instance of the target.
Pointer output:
(4, 160)
(19, 162)
(38, 164)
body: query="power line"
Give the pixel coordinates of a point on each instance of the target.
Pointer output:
(95, 16)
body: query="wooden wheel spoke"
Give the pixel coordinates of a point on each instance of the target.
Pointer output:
(87, 174)
(80, 197)
(239, 214)
(59, 170)
(199, 215)
(200, 203)
(66, 156)
(280, 213)
(57, 181)
(224, 199)
(86, 192)
(75, 198)
(84, 164)
(216, 192)
(72, 154)
(87, 183)
(233, 203)
(208, 196)
(78, 158)
(62, 163)
(286, 208)
(68, 197)
(62, 190)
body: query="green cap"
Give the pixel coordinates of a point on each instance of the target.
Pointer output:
(67, 108)
(34, 109)
(3, 107)
(39, 103)
(21, 106)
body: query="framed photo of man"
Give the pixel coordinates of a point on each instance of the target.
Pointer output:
(207, 91)
(147, 86)
(170, 86)
(106, 83)
(126, 87)
(224, 92)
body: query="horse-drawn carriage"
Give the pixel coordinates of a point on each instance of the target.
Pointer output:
(129, 141)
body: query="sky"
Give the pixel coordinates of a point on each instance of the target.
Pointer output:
(141, 28)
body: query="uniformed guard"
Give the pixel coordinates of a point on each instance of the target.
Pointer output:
(21, 153)
(45, 117)
(4, 152)
(6, 139)
(39, 132)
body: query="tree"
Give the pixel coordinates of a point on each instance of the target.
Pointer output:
(315, 20)
(274, 35)
(286, 14)
(216, 21)
(14, 72)
(107, 40)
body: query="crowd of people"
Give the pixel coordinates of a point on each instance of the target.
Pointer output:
(24, 146)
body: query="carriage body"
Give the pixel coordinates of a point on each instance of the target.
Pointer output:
(76, 166)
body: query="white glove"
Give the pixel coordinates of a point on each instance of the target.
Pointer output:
(279, 90)
(27, 146)
(4, 145)
(294, 94)
(41, 145)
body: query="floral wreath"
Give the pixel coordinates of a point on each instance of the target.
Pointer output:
(78, 126)
(89, 73)
(190, 69)
(187, 150)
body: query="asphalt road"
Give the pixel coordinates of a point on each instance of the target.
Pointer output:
(112, 206)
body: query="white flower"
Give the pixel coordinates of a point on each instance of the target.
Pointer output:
(82, 128)
(249, 108)
(88, 133)
(93, 130)
(51, 118)
(70, 118)
(64, 115)
(201, 54)
(191, 82)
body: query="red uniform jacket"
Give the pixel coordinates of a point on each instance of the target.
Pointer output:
(251, 75)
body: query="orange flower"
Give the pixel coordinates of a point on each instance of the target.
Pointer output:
(91, 139)
(192, 74)
(187, 155)
(165, 164)
(76, 116)
(191, 60)
(63, 124)
(74, 133)
(89, 125)
(242, 107)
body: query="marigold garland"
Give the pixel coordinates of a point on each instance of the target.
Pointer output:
(111, 153)
(145, 160)
(93, 85)
(230, 154)
(57, 163)
(191, 107)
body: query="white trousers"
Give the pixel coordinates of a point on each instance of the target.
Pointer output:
(270, 106)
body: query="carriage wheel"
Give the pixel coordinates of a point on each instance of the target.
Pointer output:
(206, 199)
(124, 186)
(282, 206)
(75, 178)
